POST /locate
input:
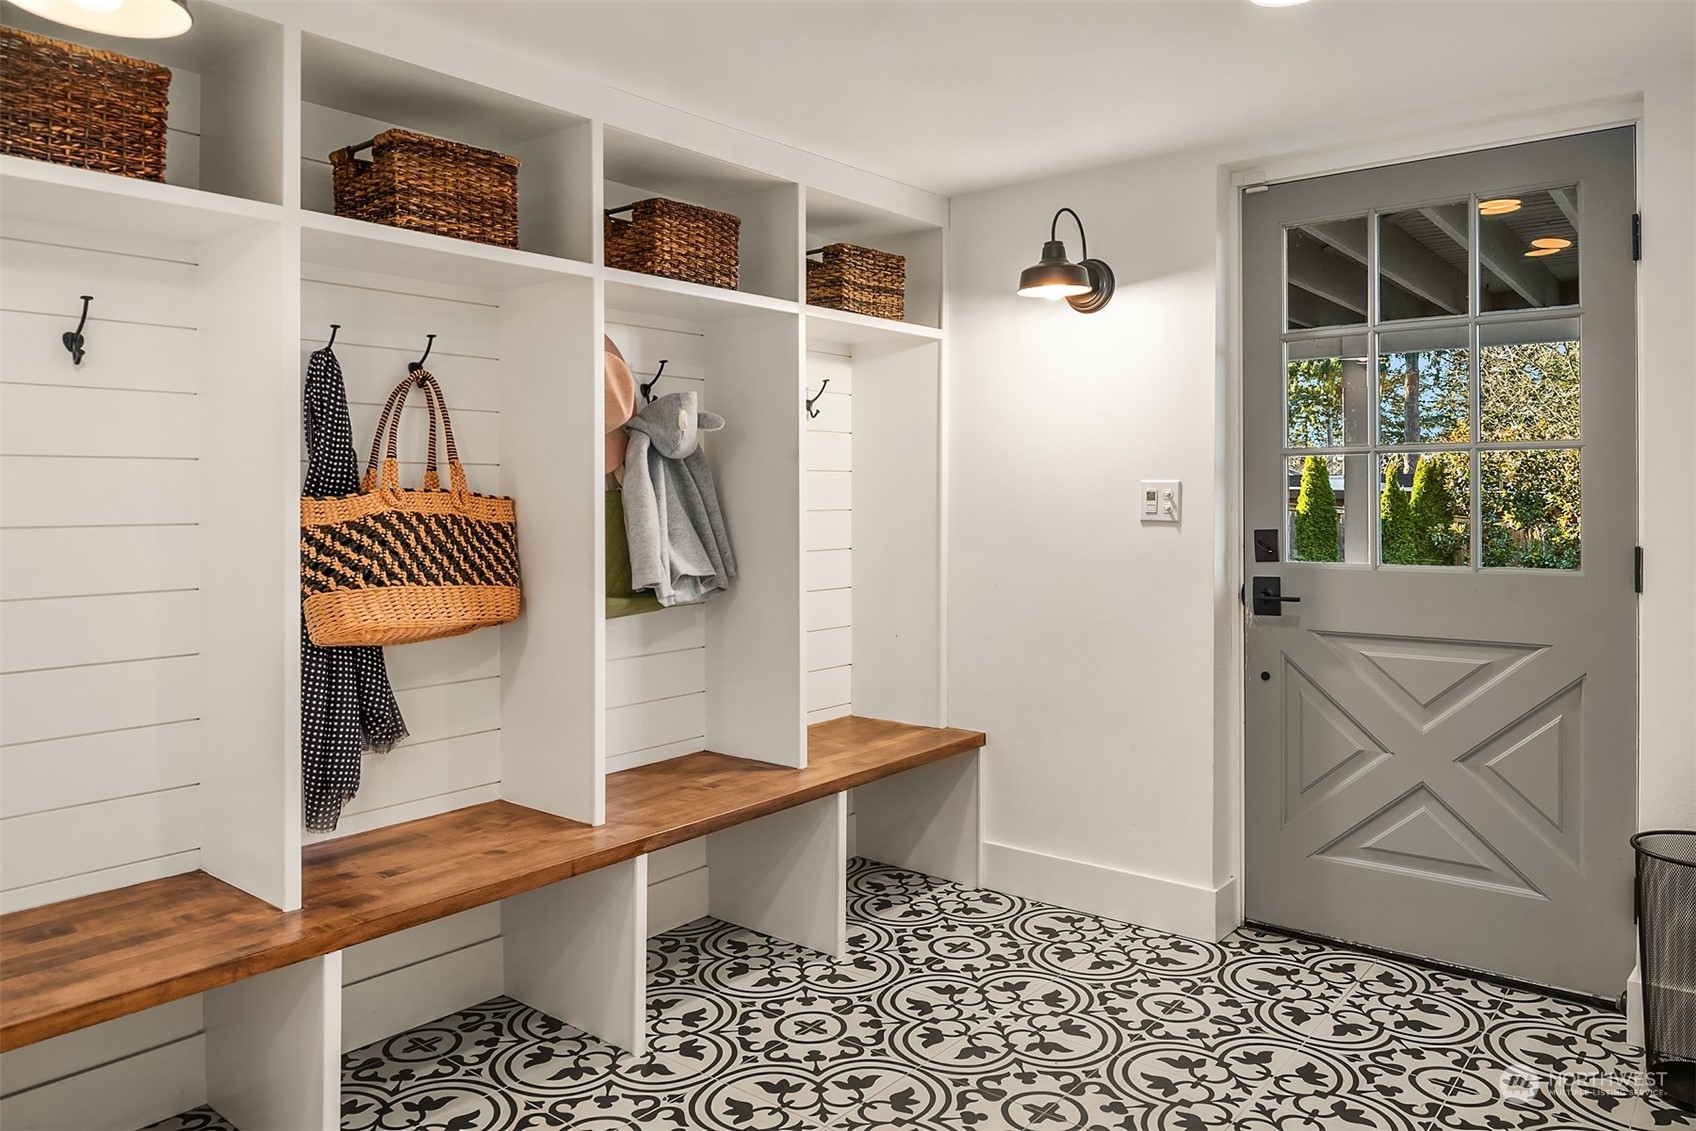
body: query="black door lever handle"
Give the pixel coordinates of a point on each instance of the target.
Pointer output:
(1269, 598)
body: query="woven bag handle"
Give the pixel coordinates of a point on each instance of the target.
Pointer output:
(369, 481)
(388, 424)
(439, 407)
(436, 405)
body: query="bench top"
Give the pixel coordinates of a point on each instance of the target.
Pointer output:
(67, 965)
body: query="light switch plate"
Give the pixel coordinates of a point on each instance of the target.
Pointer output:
(1161, 500)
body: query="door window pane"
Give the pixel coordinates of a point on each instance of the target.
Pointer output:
(1325, 273)
(1316, 502)
(1528, 249)
(1424, 509)
(1422, 264)
(1423, 382)
(1327, 397)
(1529, 381)
(1530, 504)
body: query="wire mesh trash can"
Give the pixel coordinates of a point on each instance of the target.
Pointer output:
(1666, 933)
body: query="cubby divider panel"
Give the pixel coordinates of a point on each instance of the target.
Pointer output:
(756, 677)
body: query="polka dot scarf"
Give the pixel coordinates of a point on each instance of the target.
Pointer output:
(346, 703)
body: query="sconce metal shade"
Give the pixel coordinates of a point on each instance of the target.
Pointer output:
(132, 19)
(1055, 276)
(1087, 285)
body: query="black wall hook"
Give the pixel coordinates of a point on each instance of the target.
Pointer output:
(648, 387)
(812, 412)
(73, 338)
(335, 327)
(429, 344)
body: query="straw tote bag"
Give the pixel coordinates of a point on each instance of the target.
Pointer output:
(395, 566)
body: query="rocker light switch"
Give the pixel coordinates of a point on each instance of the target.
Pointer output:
(1162, 500)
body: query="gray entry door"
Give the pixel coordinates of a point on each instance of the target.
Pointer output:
(1440, 454)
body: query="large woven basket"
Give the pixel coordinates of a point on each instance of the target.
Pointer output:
(858, 279)
(73, 105)
(675, 240)
(429, 184)
(390, 565)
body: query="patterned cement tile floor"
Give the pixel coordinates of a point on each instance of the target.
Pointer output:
(968, 1009)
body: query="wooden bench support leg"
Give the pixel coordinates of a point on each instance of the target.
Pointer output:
(577, 951)
(924, 819)
(273, 1048)
(781, 875)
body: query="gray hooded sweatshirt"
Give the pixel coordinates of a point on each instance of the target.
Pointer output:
(678, 544)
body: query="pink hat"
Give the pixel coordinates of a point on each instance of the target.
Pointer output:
(621, 403)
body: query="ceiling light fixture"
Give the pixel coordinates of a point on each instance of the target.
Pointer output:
(1551, 243)
(1500, 206)
(1540, 252)
(1276, 3)
(131, 19)
(1087, 284)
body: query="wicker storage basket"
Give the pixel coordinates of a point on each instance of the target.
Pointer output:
(676, 240)
(858, 279)
(74, 105)
(430, 185)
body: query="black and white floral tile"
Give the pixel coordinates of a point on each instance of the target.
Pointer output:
(960, 1009)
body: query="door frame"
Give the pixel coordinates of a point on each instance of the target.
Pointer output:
(1231, 629)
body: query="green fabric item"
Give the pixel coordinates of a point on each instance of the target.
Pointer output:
(622, 601)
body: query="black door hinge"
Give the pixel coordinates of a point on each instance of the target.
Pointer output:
(1637, 573)
(1637, 237)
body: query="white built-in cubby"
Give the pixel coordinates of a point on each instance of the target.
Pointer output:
(149, 609)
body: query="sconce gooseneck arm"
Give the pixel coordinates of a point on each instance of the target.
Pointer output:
(1083, 240)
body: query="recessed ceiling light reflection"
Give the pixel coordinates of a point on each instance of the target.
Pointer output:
(1499, 206)
(1551, 243)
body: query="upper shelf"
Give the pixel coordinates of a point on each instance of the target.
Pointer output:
(827, 327)
(65, 966)
(337, 241)
(37, 192)
(672, 298)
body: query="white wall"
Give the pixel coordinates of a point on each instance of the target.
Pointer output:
(1100, 655)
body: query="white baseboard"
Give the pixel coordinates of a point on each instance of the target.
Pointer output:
(1634, 1007)
(1163, 905)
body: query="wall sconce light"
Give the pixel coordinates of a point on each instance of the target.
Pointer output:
(1086, 285)
(132, 19)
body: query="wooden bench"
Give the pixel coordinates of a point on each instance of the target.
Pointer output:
(69, 965)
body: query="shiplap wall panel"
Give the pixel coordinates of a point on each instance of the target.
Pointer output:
(656, 662)
(46, 491)
(448, 690)
(45, 562)
(47, 278)
(829, 570)
(60, 702)
(67, 772)
(96, 837)
(99, 552)
(428, 940)
(158, 1081)
(63, 632)
(118, 355)
(56, 420)
(380, 1007)
(40, 1063)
